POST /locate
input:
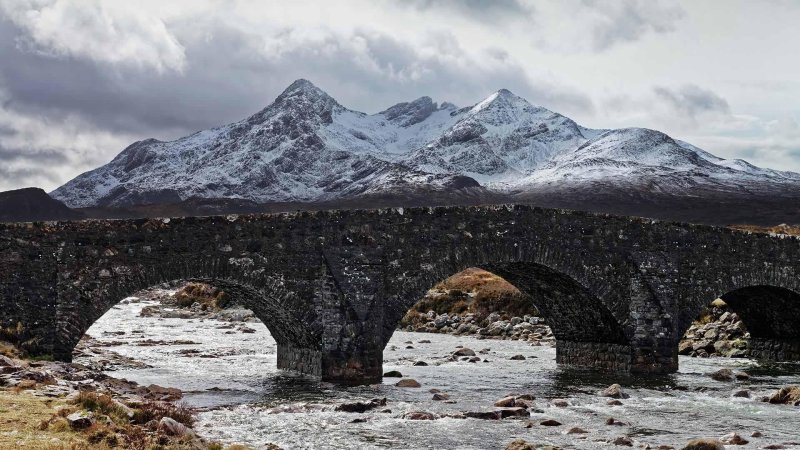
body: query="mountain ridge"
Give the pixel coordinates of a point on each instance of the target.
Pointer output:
(306, 147)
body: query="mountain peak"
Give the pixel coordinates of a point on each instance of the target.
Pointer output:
(301, 84)
(305, 88)
(501, 100)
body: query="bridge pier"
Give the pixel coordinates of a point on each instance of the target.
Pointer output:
(334, 366)
(774, 349)
(615, 358)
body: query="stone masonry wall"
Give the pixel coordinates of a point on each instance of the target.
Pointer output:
(338, 282)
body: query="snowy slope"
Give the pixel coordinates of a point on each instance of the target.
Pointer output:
(306, 147)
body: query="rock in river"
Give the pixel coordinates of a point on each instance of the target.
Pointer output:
(408, 383)
(419, 415)
(733, 439)
(520, 444)
(704, 444)
(787, 395)
(360, 407)
(464, 352)
(613, 391)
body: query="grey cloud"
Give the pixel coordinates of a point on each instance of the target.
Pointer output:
(629, 20)
(693, 100)
(42, 156)
(482, 10)
(228, 77)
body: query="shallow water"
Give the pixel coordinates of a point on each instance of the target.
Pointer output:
(245, 399)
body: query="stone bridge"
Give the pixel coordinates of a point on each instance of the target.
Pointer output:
(331, 286)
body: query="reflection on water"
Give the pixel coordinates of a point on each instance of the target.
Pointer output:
(246, 399)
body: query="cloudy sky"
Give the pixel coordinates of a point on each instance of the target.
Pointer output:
(82, 79)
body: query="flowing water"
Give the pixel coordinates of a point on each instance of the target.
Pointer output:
(232, 377)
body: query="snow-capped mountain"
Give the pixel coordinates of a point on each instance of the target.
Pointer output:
(306, 147)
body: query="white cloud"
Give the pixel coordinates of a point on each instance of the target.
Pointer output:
(113, 32)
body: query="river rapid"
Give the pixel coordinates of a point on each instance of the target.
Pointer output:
(229, 373)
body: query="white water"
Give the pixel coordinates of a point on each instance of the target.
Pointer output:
(247, 400)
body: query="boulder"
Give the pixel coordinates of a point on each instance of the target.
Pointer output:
(484, 415)
(787, 395)
(172, 427)
(165, 394)
(576, 430)
(722, 375)
(561, 403)
(505, 402)
(393, 374)
(517, 358)
(408, 383)
(419, 415)
(733, 439)
(743, 393)
(360, 407)
(613, 391)
(520, 444)
(464, 352)
(420, 363)
(439, 396)
(5, 361)
(622, 440)
(514, 412)
(80, 420)
(704, 444)
(550, 423)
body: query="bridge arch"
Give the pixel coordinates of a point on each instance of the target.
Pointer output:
(291, 322)
(768, 303)
(576, 302)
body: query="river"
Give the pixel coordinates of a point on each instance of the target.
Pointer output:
(231, 376)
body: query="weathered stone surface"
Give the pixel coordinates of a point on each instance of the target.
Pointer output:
(331, 286)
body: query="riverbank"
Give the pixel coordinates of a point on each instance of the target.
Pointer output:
(55, 405)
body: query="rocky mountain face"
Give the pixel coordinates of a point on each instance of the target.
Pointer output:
(306, 148)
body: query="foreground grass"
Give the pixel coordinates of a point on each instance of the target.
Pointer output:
(38, 423)
(23, 417)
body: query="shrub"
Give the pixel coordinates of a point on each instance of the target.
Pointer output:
(102, 404)
(148, 411)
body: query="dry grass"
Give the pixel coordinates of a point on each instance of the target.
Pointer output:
(793, 230)
(204, 294)
(31, 423)
(157, 410)
(490, 293)
(474, 279)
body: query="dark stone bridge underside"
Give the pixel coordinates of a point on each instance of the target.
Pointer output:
(331, 286)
